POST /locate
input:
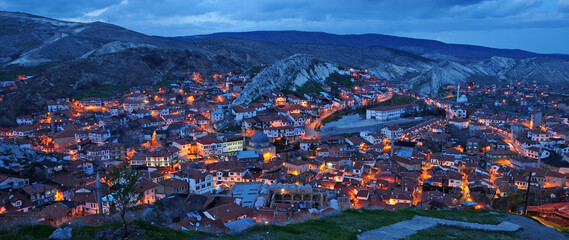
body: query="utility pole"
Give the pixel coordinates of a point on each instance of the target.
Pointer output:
(527, 193)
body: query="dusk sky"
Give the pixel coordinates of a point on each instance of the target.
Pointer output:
(534, 25)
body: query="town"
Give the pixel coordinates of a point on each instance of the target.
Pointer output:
(288, 156)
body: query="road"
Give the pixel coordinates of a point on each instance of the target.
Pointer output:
(310, 131)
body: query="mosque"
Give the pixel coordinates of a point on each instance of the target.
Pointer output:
(260, 143)
(460, 98)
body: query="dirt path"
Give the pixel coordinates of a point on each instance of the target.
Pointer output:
(407, 228)
(534, 230)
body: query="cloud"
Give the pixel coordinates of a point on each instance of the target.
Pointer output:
(95, 13)
(563, 5)
(187, 17)
(211, 17)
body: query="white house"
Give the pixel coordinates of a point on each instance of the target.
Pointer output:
(392, 132)
(385, 113)
(242, 113)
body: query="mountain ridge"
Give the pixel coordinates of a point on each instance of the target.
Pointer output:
(413, 45)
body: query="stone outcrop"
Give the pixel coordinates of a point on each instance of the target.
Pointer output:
(290, 73)
(61, 233)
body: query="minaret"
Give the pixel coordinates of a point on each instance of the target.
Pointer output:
(512, 138)
(243, 130)
(458, 93)
(99, 190)
(51, 124)
(539, 157)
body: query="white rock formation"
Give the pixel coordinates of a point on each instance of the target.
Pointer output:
(289, 73)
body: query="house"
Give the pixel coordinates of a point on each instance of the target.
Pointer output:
(200, 182)
(202, 121)
(472, 145)
(297, 119)
(459, 122)
(408, 164)
(396, 198)
(392, 132)
(40, 193)
(531, 152)
(15, 202)
(217, 115)
(232, 175)
(207, 146)
(91, 104)
(307, 144)
(133, 105)
(358, 168)
(23, 131)
(226, 212)
(12, 182)
(443, 160)
(372, 138)
(243, 113)
(138, 159)
(154, 176)
(99, 136)
(172, 185)
(48, 167)
(297, 167)
(64, 138)
(60, 212)
(23, 120)
(457, 112)
(232, 143)
(495, 155)
(88, 200)
(523, 162)
(445, 178)
(454, 179)
(148, 189)
(54, 106)
(184, 145)
(538, 135)
(79, 166)
(159, 158)
(385, 113)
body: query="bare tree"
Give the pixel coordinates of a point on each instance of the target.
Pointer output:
(125, 192)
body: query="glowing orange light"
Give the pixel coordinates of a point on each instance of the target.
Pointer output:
(197, 77)
(58, 195)
(267, 157)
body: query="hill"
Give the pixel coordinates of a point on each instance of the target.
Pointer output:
(347, 225)
(423, 47)
(67, 59)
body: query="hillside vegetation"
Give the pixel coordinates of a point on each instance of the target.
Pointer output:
(346, 225)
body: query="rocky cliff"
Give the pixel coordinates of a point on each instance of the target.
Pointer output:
(12, 155)
(290, 73)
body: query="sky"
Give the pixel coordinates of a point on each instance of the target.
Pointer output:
(535, 25)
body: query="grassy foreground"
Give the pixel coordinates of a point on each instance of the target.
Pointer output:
(346, 225)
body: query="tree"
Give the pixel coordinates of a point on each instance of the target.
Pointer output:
(125, 192)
